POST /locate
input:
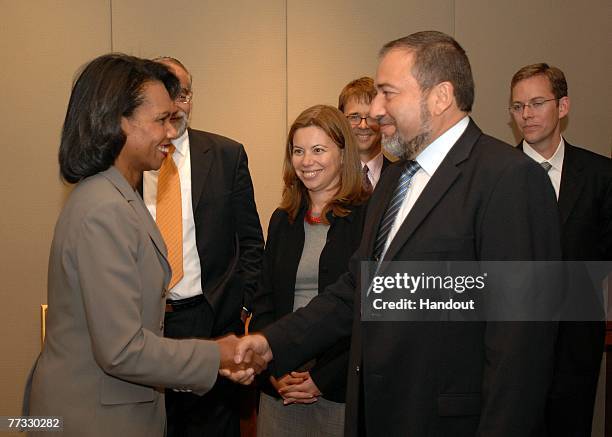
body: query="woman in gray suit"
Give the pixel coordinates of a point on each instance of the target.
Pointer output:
(105, 362)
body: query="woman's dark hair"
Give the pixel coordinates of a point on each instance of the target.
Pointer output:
(108, 88)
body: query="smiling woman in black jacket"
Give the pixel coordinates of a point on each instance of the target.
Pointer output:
(311, 237)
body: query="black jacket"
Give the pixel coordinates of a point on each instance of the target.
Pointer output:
(228, 232)
(275, 294)
(485, 201)
(585, 206)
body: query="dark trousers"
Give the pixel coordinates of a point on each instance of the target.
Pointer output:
(571, 401)
(217, 412)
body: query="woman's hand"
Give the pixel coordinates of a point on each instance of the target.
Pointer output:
(297, 388)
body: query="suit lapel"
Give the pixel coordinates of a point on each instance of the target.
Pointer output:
(438, 185)
(136, 202)
(571, 183)
(201, 161)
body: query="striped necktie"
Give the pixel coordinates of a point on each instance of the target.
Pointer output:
(546, 166)
(394, 206)
(169, 215)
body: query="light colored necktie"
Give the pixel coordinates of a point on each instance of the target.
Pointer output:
(367, 184)
(169, 214)
(546, 166)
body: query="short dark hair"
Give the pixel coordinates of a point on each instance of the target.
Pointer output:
(555, 76)
(108, 88)
(362, 89)
(438, 58)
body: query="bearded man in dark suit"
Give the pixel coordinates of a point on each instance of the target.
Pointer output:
(469, 197)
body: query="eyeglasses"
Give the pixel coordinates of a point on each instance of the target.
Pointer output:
(355, 120)
(536, 105)
(185, 96)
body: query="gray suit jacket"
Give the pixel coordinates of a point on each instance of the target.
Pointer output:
(104, 357)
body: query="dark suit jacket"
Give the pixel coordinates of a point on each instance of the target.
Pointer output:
(585, 206)
(485, 202)
(386, 163)
(276, 292)
(228, 232)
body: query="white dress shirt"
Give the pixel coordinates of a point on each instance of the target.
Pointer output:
(556, 161)
(429, 160)
(374, 168)
(191, 284)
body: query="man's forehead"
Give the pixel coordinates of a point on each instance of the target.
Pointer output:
(538, 84)
(358, 100)
(393, 65)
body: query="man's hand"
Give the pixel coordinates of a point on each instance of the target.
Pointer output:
(243, 372)
(298, 388)
(253, 344)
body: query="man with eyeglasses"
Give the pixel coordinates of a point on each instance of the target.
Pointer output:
(354, 101)
(219, 246)
(583, 184)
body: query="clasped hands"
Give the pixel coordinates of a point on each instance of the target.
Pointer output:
(243, 358)
(296, 388)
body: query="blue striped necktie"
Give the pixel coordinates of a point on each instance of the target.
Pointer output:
(394, 206)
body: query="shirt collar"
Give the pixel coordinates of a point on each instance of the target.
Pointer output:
(181, 143)
(432, 156)
(556, 161)
(374, 164)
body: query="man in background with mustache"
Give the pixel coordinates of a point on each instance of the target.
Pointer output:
(215, 244)
(456, 194)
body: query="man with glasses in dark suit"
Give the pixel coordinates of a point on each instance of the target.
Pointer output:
(583, 184)
(217, 255)
(354, 101)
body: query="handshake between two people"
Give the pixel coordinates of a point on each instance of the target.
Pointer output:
(243, 358)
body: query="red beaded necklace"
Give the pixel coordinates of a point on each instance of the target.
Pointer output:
(312, 219)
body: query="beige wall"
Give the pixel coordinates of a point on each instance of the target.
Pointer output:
(42, 47)
(256, 65)
(501, 37)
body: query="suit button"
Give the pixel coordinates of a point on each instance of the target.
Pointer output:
(164, 291)
(357, 369)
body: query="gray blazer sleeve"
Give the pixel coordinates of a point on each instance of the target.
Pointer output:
(121, 281)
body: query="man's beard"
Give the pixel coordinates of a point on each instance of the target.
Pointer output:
(180, 124)
(397, 146)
